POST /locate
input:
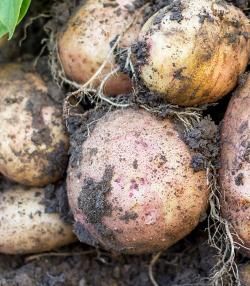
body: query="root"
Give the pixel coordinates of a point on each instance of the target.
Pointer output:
(58, 254)
(155, 258)
(29, 23)
(186, 116)
(225, 272)
(101, 95)
(44, 47)
(54, 63)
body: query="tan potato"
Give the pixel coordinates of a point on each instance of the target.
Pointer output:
(194, 51)
(235, 166)
(133, 189)
(84, 44)
(24, 225)
(33, 141)
(245, 275)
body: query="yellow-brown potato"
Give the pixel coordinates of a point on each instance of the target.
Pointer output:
(245, 274)
(133, 189)
(24, 225)
(192, 52)
(33, 141)
(84, 43)
(235, 166)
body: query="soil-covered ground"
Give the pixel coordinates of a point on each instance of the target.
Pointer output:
(189, 262)
(186, 263)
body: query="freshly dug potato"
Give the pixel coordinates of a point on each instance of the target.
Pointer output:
(192, 52)
(235, 165)
(245, 275)
(133, 189)
(24, 225)
(33, 142)
(84, 43)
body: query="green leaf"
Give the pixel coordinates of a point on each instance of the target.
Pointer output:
(9, 14)
(24, 9)
(3, 30)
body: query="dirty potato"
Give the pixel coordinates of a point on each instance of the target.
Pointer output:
(24, 225)
(33, 142)
(235, 166)
(85, 42)
(192, 52)
(133, 189)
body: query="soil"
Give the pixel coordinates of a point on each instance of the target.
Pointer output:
(189, 262)
(186, 263)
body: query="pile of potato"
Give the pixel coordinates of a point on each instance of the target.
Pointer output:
(130, 182)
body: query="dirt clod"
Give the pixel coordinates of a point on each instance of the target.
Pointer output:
(92, 199)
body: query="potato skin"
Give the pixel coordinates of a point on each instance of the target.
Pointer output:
(195, 53)
(33, 141)
(24, 225)
(132, 190)
(84, 44)
(235, 165)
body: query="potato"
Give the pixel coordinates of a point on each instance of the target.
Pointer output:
(84, 43)
(235, 165)
(33, 142)
(133, 189)
(24, 225)
(192, 52)
(245, 274)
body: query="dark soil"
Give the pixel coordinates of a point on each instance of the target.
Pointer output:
(186, 263)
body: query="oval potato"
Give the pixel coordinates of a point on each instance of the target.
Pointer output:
(193, 51)
(235, 165)
(24, 225)
(33, 140)
(84, 43)
(134, 190)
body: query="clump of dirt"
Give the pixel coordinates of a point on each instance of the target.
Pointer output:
(129, 216)
(203, 139)
(56, 201)
(140, 50)
(92, 199)
(41, 134)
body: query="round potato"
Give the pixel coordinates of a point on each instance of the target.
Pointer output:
(192, 52)
(133, 189)
(33, 141)
(85, 42)
(235, 166)
(24, 225)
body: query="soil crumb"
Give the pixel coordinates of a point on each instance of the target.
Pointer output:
(56, 201)
(203, 139)
(94, 205)
(92, 199)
